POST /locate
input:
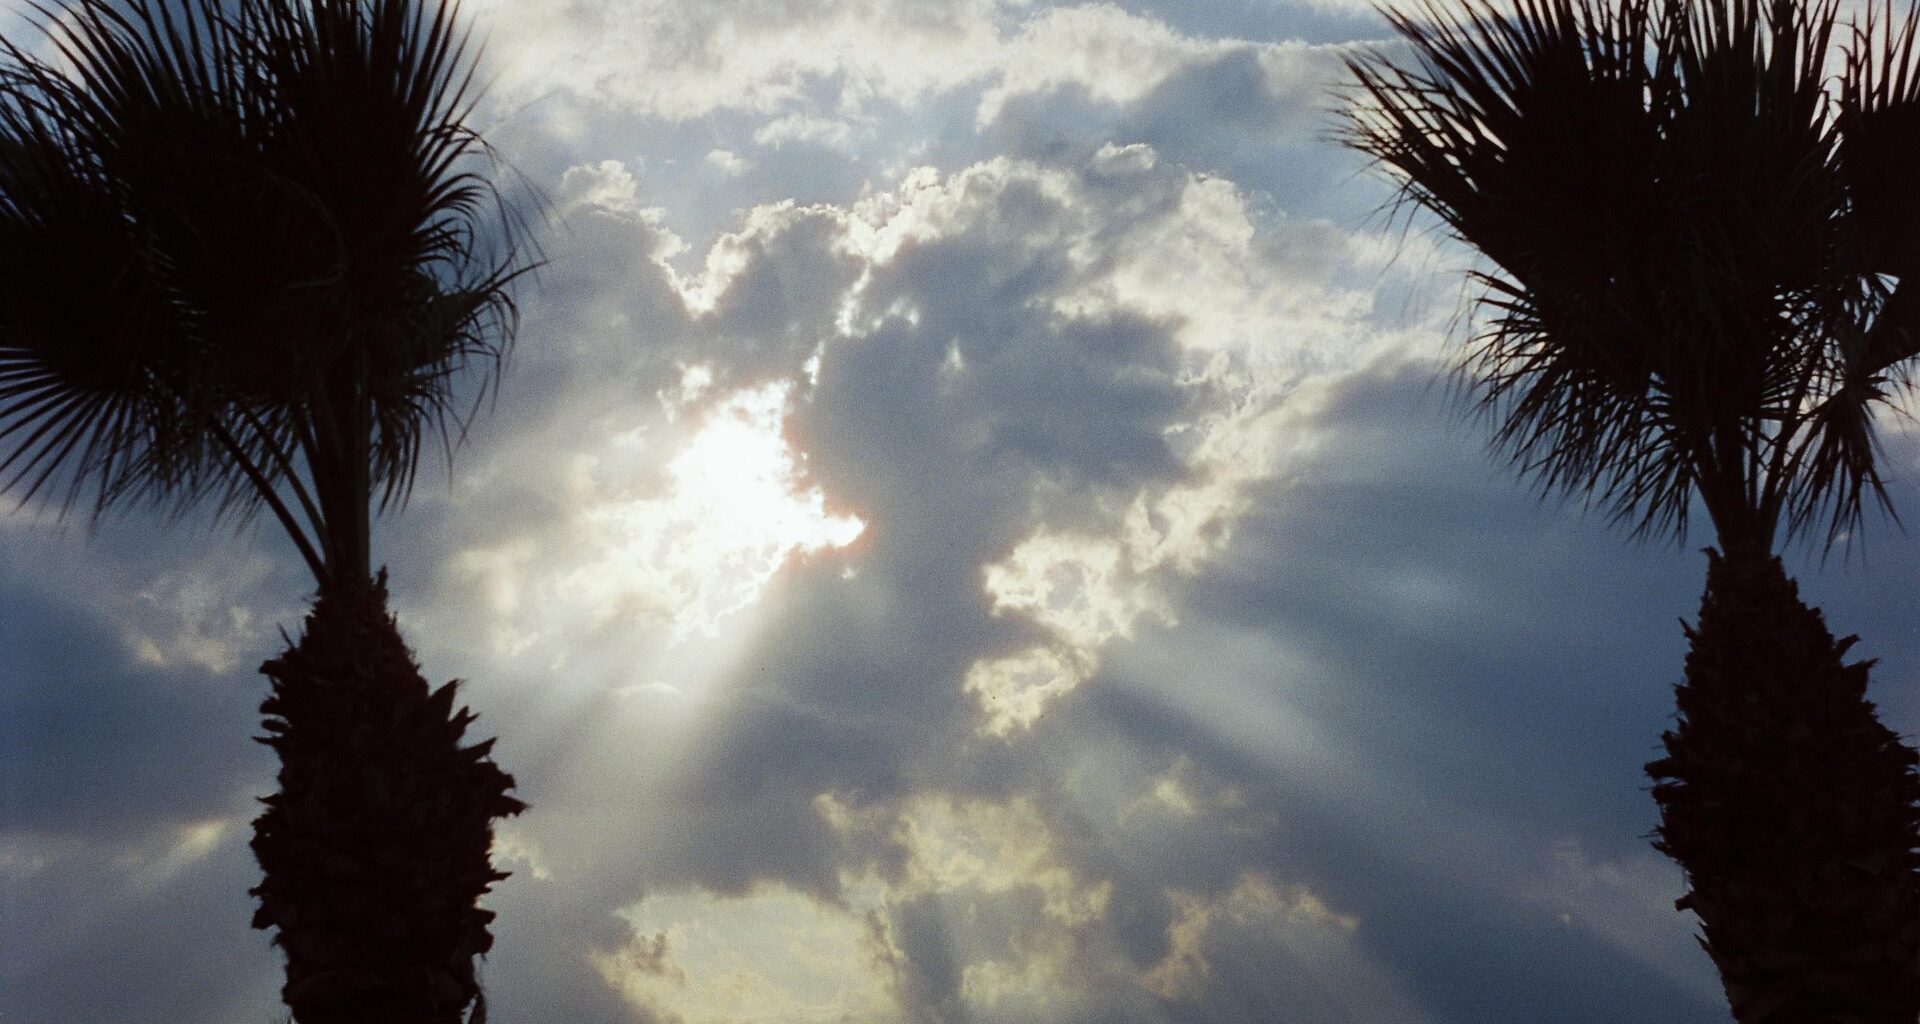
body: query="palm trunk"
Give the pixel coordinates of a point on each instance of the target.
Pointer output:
(376, 849)
(1793, 811)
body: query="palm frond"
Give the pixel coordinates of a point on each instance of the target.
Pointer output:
(86, 316)
(1677, 303)
(375, 97)
(253, 252)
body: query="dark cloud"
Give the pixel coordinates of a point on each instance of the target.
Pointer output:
(98, 743)
(1476, 678)
(1260, 119)
(127, 780)
(112, 932)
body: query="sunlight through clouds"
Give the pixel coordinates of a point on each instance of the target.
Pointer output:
(736, 508)
(1293, 915)
(188, 844)
(772, 955)
(1085, 589)
(1013, 691)
(656, 537)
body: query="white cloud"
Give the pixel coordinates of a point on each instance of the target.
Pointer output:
(679, 60)
(797, 127)
(817, 64)
(685, 521)
(1118, 57)
(728, 162)
(200, 616)
(607, 187)
(24, 854)
(1078, 587)
(1028, 931)
(1014, 690)
(1183, 973)
(179, 849)
(771, 955)
(1256, 305)
(736, 508)
(145, 861)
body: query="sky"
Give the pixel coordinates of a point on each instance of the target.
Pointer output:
(975, 529)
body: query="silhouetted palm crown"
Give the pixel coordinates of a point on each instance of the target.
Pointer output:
(1703, 254)
(1694, 245)
(245, 253)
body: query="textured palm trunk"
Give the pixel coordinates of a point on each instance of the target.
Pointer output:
(376, 849)
(1793, 811)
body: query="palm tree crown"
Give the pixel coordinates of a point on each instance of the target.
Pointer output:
(244, 253)
(1696, 246)
(1703, 256)
(247, 253)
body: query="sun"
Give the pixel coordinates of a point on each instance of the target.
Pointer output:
(737, 506)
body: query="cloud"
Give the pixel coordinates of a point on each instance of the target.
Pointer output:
(1014, 690)
(1384, 641)
(924, 396)
(774, 954)
(820, 67)
(728, 162)
(121, 930)
(1117, 57)
(736, 508)
(679, 60)
(126, 710)
(971, 532)
(110, 721)
(988, 291)
(796, 127)
(899, 359)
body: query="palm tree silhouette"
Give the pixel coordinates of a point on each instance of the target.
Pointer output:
(246, 254)
(1699, 287)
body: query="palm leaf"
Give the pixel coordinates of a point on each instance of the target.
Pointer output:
(252, 251)
(375, 97)
(1680, 289)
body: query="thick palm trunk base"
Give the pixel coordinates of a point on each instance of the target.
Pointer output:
(1792, 810)
(376, 849)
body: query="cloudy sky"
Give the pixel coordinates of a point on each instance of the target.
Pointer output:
(974, 531)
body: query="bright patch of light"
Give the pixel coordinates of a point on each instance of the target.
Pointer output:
(983, 846)
(511, 846)
(737, 507)
(1076, 586)
(1013, 691)
(773, 955)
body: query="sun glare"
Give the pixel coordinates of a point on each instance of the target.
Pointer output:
(737, 507)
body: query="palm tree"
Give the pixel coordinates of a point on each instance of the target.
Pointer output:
(244, 253)
(1698, 287)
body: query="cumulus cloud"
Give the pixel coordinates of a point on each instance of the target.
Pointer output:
(704, 960)
(910, 350)
(814, 66)
(680, 60)
(728, 162)
(1114, 56)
